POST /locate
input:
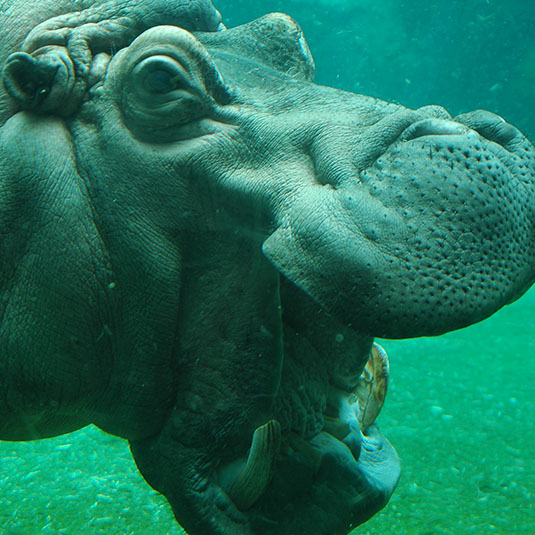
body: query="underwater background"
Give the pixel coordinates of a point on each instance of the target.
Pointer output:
(460, 409)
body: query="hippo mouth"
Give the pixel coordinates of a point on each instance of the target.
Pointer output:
(316, 466)
(335, 472)
(339, 478)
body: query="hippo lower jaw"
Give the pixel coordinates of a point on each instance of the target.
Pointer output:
(360, 471)
(325, 477)
(331, 483)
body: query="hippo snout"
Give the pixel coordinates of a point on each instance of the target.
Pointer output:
(428, 224)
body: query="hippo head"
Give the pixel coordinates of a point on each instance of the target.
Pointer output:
(198, 249)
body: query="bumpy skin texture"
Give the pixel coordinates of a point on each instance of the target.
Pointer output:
(206, 240)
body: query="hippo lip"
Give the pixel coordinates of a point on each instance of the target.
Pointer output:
(360, 483)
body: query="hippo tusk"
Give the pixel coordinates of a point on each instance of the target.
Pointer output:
(371, 390)
(253, 479)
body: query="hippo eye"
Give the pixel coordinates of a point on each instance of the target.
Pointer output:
(168, 92)
(159, 81)
(161, 95)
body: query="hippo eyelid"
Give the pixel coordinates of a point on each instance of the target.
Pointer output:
(161, 75)
(161, 95)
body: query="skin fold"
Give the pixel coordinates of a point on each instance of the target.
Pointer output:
(198, 246)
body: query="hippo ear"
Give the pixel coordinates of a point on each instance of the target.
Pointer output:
(44, 82)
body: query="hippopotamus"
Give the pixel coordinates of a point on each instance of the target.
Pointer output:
(199, 246)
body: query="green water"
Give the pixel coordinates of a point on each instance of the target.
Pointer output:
(459, 412)
(460, 409)
(461, 54)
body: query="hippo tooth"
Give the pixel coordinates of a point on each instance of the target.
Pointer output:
(253, 479)
(371, 389)
(335, 427)
(304, 447)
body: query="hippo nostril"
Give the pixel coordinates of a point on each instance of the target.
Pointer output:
(490, 126)
(500, 132)
(433, 127)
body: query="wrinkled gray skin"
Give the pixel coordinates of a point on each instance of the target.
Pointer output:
(197, 239)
